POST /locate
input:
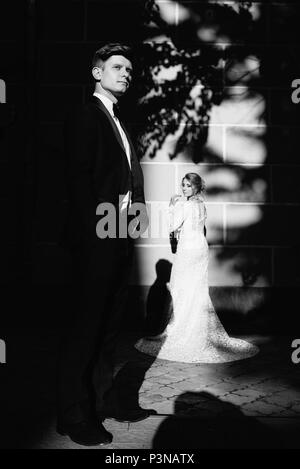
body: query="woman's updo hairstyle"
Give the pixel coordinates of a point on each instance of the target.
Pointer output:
(196, 181)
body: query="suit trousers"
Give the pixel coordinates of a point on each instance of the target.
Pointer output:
(87, 358)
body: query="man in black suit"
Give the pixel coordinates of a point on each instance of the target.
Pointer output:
(105, 183)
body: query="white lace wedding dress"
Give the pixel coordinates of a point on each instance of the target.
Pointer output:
(194, 333)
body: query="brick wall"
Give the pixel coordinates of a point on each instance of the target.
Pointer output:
(250, 162)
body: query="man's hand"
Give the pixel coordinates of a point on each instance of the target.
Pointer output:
(174, 199)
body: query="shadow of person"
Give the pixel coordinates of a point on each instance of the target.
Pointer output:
(129, 374)
(203, 421)
(159, 304)
(132, 365)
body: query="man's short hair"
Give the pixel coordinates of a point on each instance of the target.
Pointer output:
(102, 54)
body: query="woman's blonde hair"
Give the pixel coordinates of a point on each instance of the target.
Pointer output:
(196, 181)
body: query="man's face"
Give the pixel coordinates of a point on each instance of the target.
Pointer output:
(116, 75)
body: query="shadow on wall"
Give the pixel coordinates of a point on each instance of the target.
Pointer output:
(249, 175)
(235, 61)
(239, 309)
(159, 303)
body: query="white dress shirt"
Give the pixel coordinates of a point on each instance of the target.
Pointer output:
(109, 106)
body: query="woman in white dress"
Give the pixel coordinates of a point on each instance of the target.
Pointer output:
(194, 333)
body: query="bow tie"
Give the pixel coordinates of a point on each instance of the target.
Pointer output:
(116, 111)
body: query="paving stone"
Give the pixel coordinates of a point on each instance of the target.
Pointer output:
(236, 399)
(199, 380)
(279, 399)
(264, 387)
(252, 393)
(278, 384)
(248, 411)
(186, 386)
(155, 397)
(153, 373)
(175, 391)
(173, 376)
(290, 395)
(147, 385)
(164, 407)
(151, 379)
(206, 380)
(137, 435)
(263, 408)
(166, 391)
(180, 386)
(148, 400)
(245, 380)
(165, 381)
(180, 375)
(221, 389)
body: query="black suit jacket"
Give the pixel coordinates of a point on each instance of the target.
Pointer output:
(97, 169)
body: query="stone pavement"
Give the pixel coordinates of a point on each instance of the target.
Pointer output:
(253, 403)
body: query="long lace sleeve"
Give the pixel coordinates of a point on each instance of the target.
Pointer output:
(198, 214)
(202, 210)
(176, 215)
